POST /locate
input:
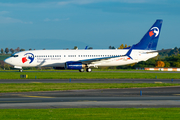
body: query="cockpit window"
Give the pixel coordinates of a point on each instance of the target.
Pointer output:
(14, 55)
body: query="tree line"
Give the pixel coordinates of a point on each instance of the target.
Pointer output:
(122, 46)
(169, 52)
(7, 50)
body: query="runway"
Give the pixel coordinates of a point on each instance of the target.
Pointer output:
(136, 71)
(111, 98)
(89, 80)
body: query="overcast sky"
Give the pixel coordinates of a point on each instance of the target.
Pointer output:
(94, 22)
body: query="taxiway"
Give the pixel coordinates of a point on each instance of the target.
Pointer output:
(113, 98)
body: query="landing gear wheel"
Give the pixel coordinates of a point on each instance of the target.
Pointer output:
(81, 70)
(20, 70)
(88, 70)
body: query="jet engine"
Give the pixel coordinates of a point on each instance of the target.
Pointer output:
(74, 65)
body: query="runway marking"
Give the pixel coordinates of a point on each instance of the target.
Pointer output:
(157, 82)
(37, 96)
(10, 101)
(35, 82)
(85, 101)
(28, 101)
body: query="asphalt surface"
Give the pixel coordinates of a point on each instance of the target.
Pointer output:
(90, 81)
(111, 98)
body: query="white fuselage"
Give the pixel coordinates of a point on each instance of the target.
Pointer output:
(58, 58)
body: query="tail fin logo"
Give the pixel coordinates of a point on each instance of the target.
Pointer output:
(155, 31)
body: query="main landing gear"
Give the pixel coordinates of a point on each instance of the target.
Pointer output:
(87, 70)
(81, 70)
(20, 70)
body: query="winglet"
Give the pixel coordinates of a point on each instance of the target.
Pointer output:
(129, 52)
(86, 47)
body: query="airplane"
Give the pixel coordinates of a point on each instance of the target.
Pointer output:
(86, 59)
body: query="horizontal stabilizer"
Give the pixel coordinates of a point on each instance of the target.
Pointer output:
(129, 52)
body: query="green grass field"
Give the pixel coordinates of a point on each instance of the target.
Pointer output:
(91, 114)
(4, 56)
(92, 75)
(77, 75)
(28, 87)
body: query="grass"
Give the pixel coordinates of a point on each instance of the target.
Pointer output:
(91, 113)
(92, 75)
(4, 56)
(29, 87)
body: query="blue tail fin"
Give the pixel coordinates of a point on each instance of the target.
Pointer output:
(150, 39)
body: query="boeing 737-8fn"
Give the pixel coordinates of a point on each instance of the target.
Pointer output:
(86, 59)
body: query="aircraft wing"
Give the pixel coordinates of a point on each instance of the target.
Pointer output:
(88, 61)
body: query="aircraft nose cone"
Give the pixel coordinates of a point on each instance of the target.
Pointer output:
(7, 60)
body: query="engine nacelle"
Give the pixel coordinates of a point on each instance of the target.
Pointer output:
(74, 65)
